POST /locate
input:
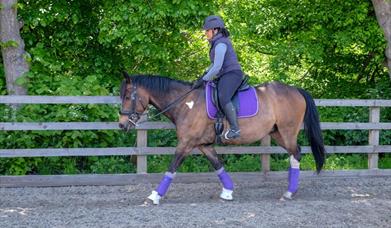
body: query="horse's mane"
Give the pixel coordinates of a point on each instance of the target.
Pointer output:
(153, 83)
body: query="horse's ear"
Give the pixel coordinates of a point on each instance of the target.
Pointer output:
(126, 76)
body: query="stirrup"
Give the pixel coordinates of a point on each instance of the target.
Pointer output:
(231, 134)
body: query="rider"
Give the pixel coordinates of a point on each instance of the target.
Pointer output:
(225, 67)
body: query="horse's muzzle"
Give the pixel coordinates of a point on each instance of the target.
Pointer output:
(126, 126)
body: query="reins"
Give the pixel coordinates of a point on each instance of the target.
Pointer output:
(169, 106)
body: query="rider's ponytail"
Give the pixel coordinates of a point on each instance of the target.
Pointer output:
(223, 31)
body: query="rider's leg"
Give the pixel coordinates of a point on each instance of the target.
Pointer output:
(230, 114)
(227, 86)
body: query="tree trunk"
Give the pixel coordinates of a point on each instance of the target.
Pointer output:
(14, 55)
(383, 15)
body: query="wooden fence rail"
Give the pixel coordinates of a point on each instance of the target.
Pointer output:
(374, 126)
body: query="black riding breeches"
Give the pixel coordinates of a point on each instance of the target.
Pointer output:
(227, 86)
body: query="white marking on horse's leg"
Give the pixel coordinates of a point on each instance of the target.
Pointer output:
(294, 163)
(226, 194)
(287, 195)
(154, 197)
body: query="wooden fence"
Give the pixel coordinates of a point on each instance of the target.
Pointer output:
(142, 150)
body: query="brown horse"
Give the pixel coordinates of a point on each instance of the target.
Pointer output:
(282, 111)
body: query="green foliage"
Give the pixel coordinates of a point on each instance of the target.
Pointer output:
(195, 163)
(15, 166)
(385, 137)
(15, 6)
(333, 162)
(64, 139)
(157, 36)
(158, 163)
(157, 138)
(352, 161)
(9, 43)
(385, 161)
(333, 50)
(112, 164)
(242, 163)
(322, 47)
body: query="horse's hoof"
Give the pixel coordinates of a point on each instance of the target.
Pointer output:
(226, 194)
(154, 197)
(286, 196)
(147, 202)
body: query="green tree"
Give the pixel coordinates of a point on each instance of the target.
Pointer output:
(320, 45)
(156, 36)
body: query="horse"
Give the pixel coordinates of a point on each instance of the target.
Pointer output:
(282, 111)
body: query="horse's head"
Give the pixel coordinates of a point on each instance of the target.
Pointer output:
(134, 103)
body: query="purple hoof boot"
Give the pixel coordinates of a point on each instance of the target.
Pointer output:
(225, 179)
(164, 184)
(293, 177)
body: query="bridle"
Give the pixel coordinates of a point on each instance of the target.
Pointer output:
(134, 116)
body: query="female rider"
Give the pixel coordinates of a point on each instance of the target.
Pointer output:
(225, 67)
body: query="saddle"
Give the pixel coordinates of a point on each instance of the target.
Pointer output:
(235, 99)
(245, 101)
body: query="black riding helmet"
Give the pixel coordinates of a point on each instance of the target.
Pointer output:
(212, 22)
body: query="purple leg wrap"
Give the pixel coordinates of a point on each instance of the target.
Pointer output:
(164, 184)
(225, 179)
(293, 178)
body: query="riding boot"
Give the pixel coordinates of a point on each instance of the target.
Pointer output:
(230, 114)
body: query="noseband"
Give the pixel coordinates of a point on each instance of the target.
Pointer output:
(133, 115)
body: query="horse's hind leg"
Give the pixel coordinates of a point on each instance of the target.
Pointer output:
(288, 140)
(225, 179)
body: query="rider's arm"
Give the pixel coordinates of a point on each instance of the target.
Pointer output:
(220, 51)
(207, 69)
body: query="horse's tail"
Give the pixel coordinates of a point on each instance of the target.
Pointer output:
(313, 131)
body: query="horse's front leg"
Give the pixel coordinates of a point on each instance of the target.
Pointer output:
(161, 190)
(225, 179)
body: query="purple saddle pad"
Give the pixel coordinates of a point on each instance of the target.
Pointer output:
(248, 102)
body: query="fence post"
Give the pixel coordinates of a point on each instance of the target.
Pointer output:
(142, 141)
(265, 158)
(373, 139)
